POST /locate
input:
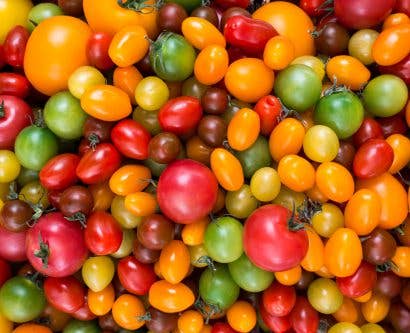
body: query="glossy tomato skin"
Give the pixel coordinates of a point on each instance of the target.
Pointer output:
(401, 69)
(5, 271)
(174, 191)
(361, 282)
(304, 318)
(269, 109)
(14, 243)
(15, 114)
(14, 84)
(15, 46)
(97, 50)
(269, 243)
(222, 328)
(276, 324)
(98, 165)
(232, 3)
(369, 129)
(278, 299)
(65, 256)
(313, 8)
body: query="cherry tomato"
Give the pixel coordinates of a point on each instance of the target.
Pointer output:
(360, 283)
(128, 311)
(190, 321)
(314, 258)
(97, 272)
(243, 129)
(376, 308)
(296, 173)
(127, 79)
(101, 302)
(14, 84)
(174, 261)
(97, 50)
(241, 316)
(129, 179)
(227, 169)
(211, 64)
(401, 261)
(201, 33)
(136, 277)
(303, 317)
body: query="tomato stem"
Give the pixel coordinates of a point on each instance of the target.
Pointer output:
(39, 119)
(12, 195)
(43, 252)
(140, 6)
(399, 230)
(144, 317)
(385, 267)
(207, 260)
(206, 309)
(80, 217)
(93, 140)
(308, 209)
(2, 110)
(294, 224)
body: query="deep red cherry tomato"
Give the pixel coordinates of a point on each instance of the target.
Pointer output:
(304, 318)
(361, 282)
(65, 293)
(14, 84)
(15, 114)
(373, 158)
(13, 246)
(276, 324)
(99, 164)
(97, 51)
(269, 241)
(136, 277)
(403, 6)
(278, 299)
(103, 234)
(180, 115)
(5, 271)
(15, 46)
(55, 246)
(2, 57)
(393, 125)
(369, 129)
(84, 313)
(131, 139)
(401, 69)
(59, 172)
(222, 328)
(314, 8)
(97, 129)
(183, 185)
(232, 3)
(269, 109)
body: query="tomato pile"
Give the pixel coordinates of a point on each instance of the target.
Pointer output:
(190, 167)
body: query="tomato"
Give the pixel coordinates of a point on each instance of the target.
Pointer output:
(12, 14)
(201, 33)
(344, 327)
(161, 321)
(255, 157)
(279, 52)
(21, 300)
(211, 64)
(14, 245)
(128, 311)
(278, 300)
(371, 328)
(314, 258)
(320, 143)
(313, 62)
(324, 296)
(100, 303)
(348, 312)
(296, 173)
(32, 328)
(14, 46)
(41, 12)
(313, 7)
(193, 234)
(129, 179)
(83, 78)
(9, 166)
(241, 316)
(369, 129)
(5, 271)
(232, 3)
(14, 84)
(265, 184)
(400, 145)
(360, 45)
(243, 129)
(170, 298)
(59, 172)
(376, 309)
(401, 261)
(97, 272)
(303, 317)
(290, 21)
(97, 50)
(401, 69)
(174, 261)
(332, 39)
(268, 108)
(80, 326)
(360, 283)
(151, 93)
(227, 169)
(125, 218)
(50, 249)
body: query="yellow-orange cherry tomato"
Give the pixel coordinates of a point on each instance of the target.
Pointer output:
(393, 198)
(289, 198)
(227, 169)
(101, 302)
(243, 129)
(129, 179)
(241, 316)
(327, 220)
(190, 321)
(30, 328)
(392, 45)
(407, 113)
(128, 312)
(193, 234)
(286, 138)
(401, 261)
(320, 143)
(106, 102)
(343, 252)
(376, 308)
(265, 184)
(102, 195)
(289, 277)
(170, 298)
(83, 78)
(206, 329)
(313, 62)
(127, 79)
(401, 150)
(335, 181)
(211, 64)
(278, 53)
(348, 71)
(348, 312)
(316, 195)
(201, 33)
(395, 19)
(249, 79)
(141, 203)
(362, 212)
(174, 261)
(296, 173)
(364, 298)
(324, 272)
(314, 258)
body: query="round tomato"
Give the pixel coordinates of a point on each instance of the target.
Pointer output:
(360, 283)
(83, 78)
(303, 317)
(9, 166)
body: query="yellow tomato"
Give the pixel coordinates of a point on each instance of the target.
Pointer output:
(83, 78)
(97, 272)
(12, 13)
(9, 166)
(265, 184)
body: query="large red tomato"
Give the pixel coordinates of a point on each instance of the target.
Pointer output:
(12, 245)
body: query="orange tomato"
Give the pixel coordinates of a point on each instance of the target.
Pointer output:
(101, 302)
(343, 252)
(170, 298)
(291, 21)
(241, 316)
(392, 45)
(127, 79)
(243, 129)
(141, 203)
(296, 173)
(129, 179)
(206, 329)
(201, 33)
(393, 198)
(31, 328)
(174, 261)
(289, 277)
(348, 71)
(407, 112)
(227, 169)
(211, 64)
(6, 325)
(128, 312)
(55, 49)
(279, 52)
(249, 79)
(286, 138)
(106, 102)
(190, 321)
(102, 195)
(376, 308)
(314, 258)
(401, 261)
(362, 212)
(401, 150)
(395, 19)
(348, 312)
(193, 234)
(324, 272)
(335, 181)
(364, 298)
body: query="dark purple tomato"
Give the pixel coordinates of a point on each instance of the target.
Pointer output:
(16, 215)
(170, 17)
(346, 154)
(71, 7)
(215, 100)
(212, 130)
(164, 147)
(379, 247)
(388, 284)
(207, 13)
(332, 39)
(144, 254)
(405, 294)
(155, 231)
(96, 129)
(197, 150)
(107, 322)
(399, 316)
(161, 322)
(76, 199)
(392, 125)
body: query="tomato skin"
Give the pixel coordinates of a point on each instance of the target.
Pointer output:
(296, 173)
(401, 261)
(269, 243)
(174, 261)
(243, 129)
(400, 69)
(14, 84)
(15, 46)
(5, 272)
(303, 317)
(268, 108)
(98, 165)
(279, 300)
(360, 283)
(97, 50)
(276, 324)
(201, 33)
(14, 249)
(312, 8)
(211, 64)
(369, 129)
(225, 4)
(227, 169)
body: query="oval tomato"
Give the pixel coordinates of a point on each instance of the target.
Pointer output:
(14, 84)
(174, 261)
(211, 64)
(279, 300)
(360, 283)
(201, 33)
(243, 129)
(227, 169)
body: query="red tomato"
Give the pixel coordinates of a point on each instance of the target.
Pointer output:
(14, 84)
(269, 241)
(222, 328)
(15, 46)
(2, 58)
(369, 129)
(269, 109)
(360, 283)
(276, 324)
(84, 313)
(135, 277)
(314, 8)
(304, 318)
(97, 50)
(403, 6)
(13, 245)
(278, 300)
(393, 125)
(5, 271)
(232, 3)
(401, 69)
(183, 185)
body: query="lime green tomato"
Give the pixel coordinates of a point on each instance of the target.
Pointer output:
(241, 203)
(172, 57)
(82, 78)
(34, 146)
(217, 287)
(9, 166)
(385, 95)
(248, 276)
(151, 93)
(298, 87)
(223, 239)
(341, 111)
(325, 296)
(192, 87)
(126, 219)
(98, 272)
(26, 176)
(265, 184)
(128, 236)
(41, 12)
(320, 143)
(344, 327)
(255, 157)
(79, 326)
(189, 5)
(372, 328)
(21, 300)
(148, 119)
(64, 116)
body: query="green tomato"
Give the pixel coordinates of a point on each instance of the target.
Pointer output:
(155, 167)
(241, 203)
(21, 300)
(341, 111)
(98, 272)
(64, 116)
(344, 327)
(248, 276)
(255, 157)
(9, 166)
(385, 95)
(151, 93)
(79, 326)
(172, 57)
(320, 144)
(223, 239)
(298, 87)
(265, 184)
(189, 5)
(372, 328)
(325, 296)
(26, 176)
(148, 119)
(34, 146)
(217, 287)
(128, 236)
(192, 87)
(125, 218)
(41, 12)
